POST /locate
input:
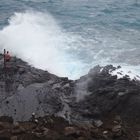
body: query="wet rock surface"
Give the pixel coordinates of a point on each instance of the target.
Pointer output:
(110, 106)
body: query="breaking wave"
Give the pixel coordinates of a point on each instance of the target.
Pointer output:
(38, 39)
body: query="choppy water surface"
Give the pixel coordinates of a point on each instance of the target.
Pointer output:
(68, 37)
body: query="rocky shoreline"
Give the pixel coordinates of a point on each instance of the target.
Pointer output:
(99, 106)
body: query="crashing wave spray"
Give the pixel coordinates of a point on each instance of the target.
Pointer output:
(37, 39)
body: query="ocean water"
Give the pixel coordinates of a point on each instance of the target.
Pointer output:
(68, 37)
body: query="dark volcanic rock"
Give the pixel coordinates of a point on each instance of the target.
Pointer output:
(25, 89)
(109, 95)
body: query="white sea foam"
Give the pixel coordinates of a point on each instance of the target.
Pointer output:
(39, 40)
(124, 71)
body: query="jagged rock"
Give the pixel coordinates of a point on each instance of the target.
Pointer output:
(22, 70)
(51, 82)
(66, 86)
(105, 132)
(56, 86)
(94, 96)
(22, 129)
(103, 98)
(38, 135)
(16, 125)
(71, 131)
(36, 121)
(116, 128)
(98, 123)
(94, 129)
(45, 131)
(118, 119)
(20, 87)
(121, 93)
(87, 126)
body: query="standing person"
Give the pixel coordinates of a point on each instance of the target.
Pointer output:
(4, 58)
(7, 72)
(7, 57)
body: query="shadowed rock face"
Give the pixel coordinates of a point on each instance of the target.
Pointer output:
(109, 95)
(25, 89)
